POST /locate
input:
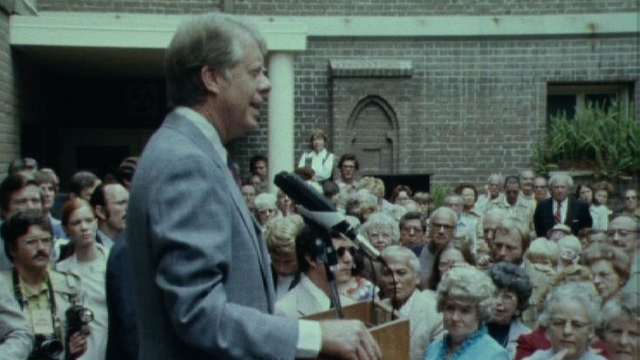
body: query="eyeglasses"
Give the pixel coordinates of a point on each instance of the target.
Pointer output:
(438, 226)
(561, 323)
(44, 241)
(621, 232)
(342, 250)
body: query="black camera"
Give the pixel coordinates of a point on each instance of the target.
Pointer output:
(78, 319)
(47, 347)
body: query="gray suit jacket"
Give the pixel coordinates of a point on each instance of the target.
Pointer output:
(203, 286)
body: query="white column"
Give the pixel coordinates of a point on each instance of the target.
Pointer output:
(281, 114)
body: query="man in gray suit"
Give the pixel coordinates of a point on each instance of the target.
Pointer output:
(203, 286)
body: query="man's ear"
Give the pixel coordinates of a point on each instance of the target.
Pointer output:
(310, 261)
(100, 213)
(211, 79)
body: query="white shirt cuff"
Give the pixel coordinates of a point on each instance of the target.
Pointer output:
(309, 339)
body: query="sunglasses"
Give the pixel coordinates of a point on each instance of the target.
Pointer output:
(343, 250)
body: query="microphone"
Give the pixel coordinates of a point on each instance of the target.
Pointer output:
(315, 207)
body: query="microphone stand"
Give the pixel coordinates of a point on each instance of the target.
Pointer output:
(330, 260)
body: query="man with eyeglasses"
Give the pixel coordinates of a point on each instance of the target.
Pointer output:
(43, 295)
(411, 229)
(442, 228)
(17, 192)
(624, 232)
(312, 294)
(630, 204)
(348, 166)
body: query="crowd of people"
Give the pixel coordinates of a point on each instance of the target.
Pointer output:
(188, 268)
(488, 273)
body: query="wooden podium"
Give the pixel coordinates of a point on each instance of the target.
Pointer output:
(392, 335)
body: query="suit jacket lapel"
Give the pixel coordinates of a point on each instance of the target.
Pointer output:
(186, 127)
(570, 212)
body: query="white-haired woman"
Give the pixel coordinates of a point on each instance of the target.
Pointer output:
(382, 231)
(570, 316)
(465, 297)
(266, 208)
(400, 282)
(620, 326)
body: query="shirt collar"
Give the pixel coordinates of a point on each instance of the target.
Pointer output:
(205, 127)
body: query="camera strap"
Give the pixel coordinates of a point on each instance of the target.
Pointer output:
(40, 321)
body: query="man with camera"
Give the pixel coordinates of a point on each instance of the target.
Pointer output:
(48, 299)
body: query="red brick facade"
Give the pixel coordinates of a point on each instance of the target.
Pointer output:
(467, 106)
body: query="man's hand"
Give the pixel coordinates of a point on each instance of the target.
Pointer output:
(77, 345)
(348, 339)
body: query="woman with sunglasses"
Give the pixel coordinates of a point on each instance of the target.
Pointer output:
(350, 265)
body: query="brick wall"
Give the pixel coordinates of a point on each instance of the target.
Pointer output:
(479, 105)
(132, 6)
(430, 7)
(9, 123)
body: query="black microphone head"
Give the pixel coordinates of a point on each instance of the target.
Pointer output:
(301, 193)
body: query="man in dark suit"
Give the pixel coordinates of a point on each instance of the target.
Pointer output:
(122, 343)
(202, 283)
(560, 208)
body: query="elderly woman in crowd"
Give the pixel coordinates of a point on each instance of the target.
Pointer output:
(610, 268)
(569, 251)
(465, 297)
(318, 159)
(512, 297)
(89, 261)
(400, 280)
(280, 236)
(382, 231)
(538, 339)
(570, 316)
(620, 326)
(266, 208)
(454, 253)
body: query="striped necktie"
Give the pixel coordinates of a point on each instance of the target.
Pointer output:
(558, 215)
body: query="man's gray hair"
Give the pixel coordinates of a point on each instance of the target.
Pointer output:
(204, 40)
(561, 177)
(401, 252)
(382, 220)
